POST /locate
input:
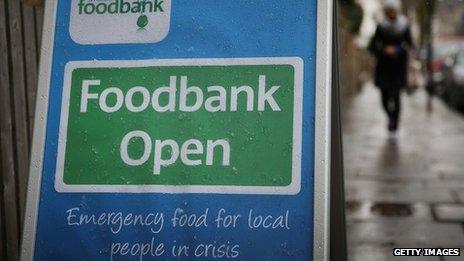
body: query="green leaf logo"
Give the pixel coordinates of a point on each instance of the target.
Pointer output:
(142, 21)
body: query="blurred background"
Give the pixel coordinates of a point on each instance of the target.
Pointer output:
(406, 190)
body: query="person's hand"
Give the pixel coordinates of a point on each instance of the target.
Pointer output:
(390, 50)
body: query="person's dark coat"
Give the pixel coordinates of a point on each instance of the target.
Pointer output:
(391, 72)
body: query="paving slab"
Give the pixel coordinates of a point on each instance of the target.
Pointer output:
(405, 232)
(460, 195)
(403, 194)
(449, 212)
(371, 211)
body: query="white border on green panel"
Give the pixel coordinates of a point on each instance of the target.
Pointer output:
(292, 189)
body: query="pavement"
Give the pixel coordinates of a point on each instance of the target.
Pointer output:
(407, 192)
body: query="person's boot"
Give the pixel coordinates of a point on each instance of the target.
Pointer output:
(392, 127)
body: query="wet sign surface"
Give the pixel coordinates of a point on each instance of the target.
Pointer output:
(176, 130)
(207, 123)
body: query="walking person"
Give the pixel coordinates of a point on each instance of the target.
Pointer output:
(390, 46)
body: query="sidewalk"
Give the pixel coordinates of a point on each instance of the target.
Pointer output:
(408, 193)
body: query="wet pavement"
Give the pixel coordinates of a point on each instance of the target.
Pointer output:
(407, 192)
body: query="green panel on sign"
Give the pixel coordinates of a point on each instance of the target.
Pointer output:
(250, 123)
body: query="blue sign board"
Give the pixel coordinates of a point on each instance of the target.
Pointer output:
(181, 129)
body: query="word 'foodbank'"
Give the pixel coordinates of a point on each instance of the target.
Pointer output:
(119, 7)
(185, 98)
(177, 95)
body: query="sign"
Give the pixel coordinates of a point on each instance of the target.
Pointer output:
(168, 129)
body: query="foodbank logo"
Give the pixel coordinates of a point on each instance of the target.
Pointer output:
(142, 21)
(121, 7)
(119, 21)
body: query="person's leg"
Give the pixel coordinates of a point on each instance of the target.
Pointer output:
(396, 108)
(385, 100)
(388, 106)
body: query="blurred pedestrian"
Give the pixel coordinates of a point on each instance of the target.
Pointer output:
(390, 46)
